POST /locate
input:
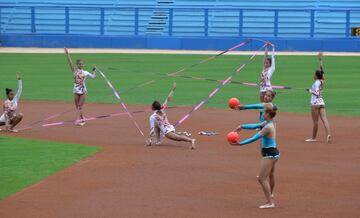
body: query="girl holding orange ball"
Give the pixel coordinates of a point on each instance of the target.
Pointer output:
(268, 98)
(269, 151)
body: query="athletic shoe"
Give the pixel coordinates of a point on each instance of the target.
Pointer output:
(187, 134)
(77, 123)
(13, 130)
(328, 139)
(267, 206)
(310, 140)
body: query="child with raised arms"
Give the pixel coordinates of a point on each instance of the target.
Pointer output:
(267, 72)
(10, 118)
(160, 125)
(318, 104)
(79, 89)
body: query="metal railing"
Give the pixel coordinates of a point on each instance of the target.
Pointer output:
(174, 18)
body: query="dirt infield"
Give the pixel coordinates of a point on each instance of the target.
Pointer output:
(127, 179)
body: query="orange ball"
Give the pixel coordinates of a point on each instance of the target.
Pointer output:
(233, 103)
(233, 137)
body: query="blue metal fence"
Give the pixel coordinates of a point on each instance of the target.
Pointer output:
(179, 21)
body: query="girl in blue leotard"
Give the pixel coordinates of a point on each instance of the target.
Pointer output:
(269, 151)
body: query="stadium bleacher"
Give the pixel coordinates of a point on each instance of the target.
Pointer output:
(292, 18)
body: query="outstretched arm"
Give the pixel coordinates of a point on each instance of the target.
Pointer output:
(18, 94)
(273, 58)
(168, 98)
(92, 75)
(72, 67)
(154, 137)
(250, 106)
(254, 138)
(265, 55)
(320, 56)
(7, 108)
(250, 126)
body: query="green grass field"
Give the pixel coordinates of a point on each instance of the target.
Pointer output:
(47, 77)
(24, 162)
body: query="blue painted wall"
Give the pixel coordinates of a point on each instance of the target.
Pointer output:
(186, 43)
(201, 27)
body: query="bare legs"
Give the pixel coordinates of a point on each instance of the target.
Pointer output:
(316, 112)
(326, 124)
(315, 117)
(267, 181)
(15, 121)
(79, 103)
(176, 137)
(272, 181)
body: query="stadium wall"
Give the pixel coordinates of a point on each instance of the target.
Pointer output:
(180, 43)
(325, 25)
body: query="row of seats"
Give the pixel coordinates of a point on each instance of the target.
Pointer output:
(303, 4)
(186, 22)
(83, 2)
(250, 4)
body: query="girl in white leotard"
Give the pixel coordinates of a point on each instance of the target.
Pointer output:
(267, 72)
(159, 124)
(79, 89)
(10, 118)
(318, 104)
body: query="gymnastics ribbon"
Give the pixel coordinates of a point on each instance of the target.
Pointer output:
(191, 66)
(93, 118)
(210, 58)
(233, 82)
(86, 119)
(117, 95)
(31, 125)
(217, 89)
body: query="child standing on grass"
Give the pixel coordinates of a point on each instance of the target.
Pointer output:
(79, 89)
(318, 103)
(159, 124)
(10, 118)
(267, 72)
(270, 153)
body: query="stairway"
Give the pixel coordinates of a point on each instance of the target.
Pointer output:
(158, 23)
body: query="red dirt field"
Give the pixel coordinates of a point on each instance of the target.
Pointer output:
(127, 179)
